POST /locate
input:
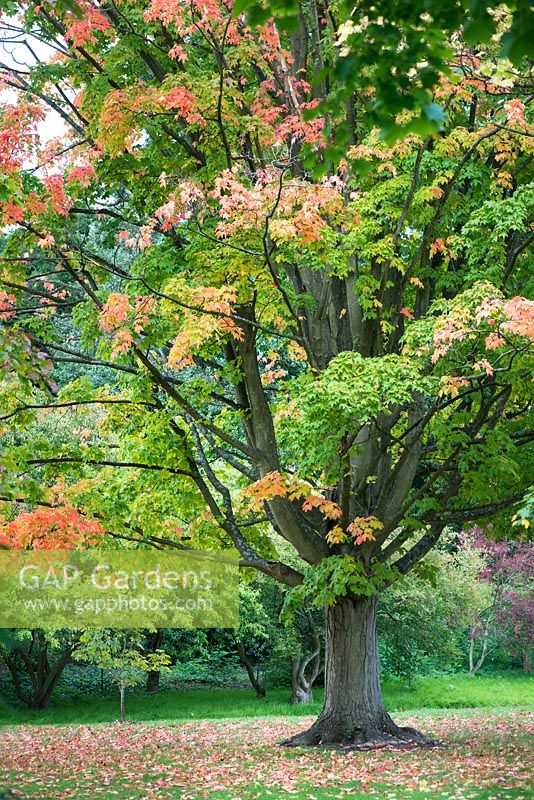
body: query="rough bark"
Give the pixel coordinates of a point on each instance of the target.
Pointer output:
(353, 714)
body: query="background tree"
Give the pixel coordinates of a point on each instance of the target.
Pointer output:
(287, 645)
(507, 568)
(377, 46)
(156, 641)
(253, 634)
(122, 654)
(341, 354)
(36, 660)
(306, 659)
(423, 619)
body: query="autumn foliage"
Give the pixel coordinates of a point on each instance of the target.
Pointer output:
(61, 528)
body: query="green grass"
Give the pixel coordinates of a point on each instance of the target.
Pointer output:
(380, 790)
(450, 691)
(342, 792)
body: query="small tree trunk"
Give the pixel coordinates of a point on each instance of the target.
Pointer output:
(46, 687)
(301, 689)
(152, 680)
(474, 666)
(153, 677)
(252, 676)
(353, 714)
(40, 701)
(123, 707)
(527, 659)
(301, 681)
(11, 662)
(41, 697)
(471, 651)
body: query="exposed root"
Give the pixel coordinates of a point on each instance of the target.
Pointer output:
(388, 737)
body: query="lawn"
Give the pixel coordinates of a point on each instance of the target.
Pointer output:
(486, 757)
(450, 691)
(224, 745)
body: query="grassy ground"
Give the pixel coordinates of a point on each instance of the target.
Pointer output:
(450, 691)
(224, 745)
(486, 757)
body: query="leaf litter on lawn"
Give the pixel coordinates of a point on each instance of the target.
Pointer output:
(486, 755)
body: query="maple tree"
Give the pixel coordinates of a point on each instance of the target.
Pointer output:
(123, 655)
(338, 353)
(59, 528)
(376, 47)
(36, 659)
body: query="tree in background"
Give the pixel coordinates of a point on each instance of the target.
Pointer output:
(377, 46)
(155, 643)
(339, 354)
(507, 568)
(423, 619)
(306, 658)
(294, 637)
(122, 654)
(516, 621)
(253, 635)
(271, 647)
(36, 660)
(62, 527)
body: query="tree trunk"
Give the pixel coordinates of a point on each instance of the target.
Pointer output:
(252, 676)
(43, 692)
(42, 695)
(152, 680)
(527, 659)
(153, 676)
(301, 689)
(123, 708)
(42, 675)
(353, 714)
(305, 670)
(474, 666)
(40, 701)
